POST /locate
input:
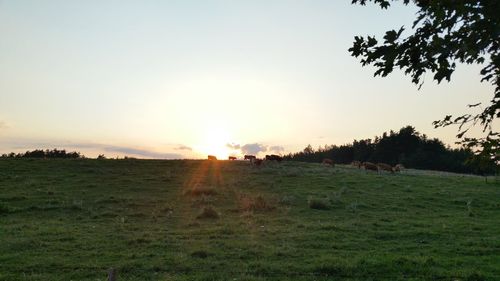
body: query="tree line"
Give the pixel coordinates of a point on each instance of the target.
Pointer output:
(407, 147)
(40, 153)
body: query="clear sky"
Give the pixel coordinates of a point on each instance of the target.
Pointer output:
(183, 78)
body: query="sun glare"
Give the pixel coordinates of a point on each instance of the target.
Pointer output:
(215, 143)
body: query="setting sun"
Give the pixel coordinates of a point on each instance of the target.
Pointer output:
(214, 142)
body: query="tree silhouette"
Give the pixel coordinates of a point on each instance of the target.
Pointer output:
(40, 153)
(445, 32)
(407, 147)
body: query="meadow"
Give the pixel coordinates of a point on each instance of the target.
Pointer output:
(73, 219)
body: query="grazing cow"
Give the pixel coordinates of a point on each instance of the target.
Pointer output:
(274, 157)
(356, 164)
(249, 157)
(232, 158)
(211, 157)
(327, 161)
(385, 167)
(370, 166)
(398, 168)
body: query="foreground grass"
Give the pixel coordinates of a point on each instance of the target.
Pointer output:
(201, 220)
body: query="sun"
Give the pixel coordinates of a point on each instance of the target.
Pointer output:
(214, 142)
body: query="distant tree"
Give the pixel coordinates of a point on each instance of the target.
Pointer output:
(101, 156)
(363, 150)
(445, 32)
(483, 166)
(37, 153)
(40, 153)
(308, 149)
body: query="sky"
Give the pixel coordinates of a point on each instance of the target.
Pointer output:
(183, 79)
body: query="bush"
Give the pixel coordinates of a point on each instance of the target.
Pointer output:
(255, 204)
(319, 204)
(200, 254)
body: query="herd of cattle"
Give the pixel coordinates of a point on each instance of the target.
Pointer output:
(378, 167)
(253, 159)
(329, 162)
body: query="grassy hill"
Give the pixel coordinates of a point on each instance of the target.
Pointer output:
(201, 220)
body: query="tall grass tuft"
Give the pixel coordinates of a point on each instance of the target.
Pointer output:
(254, 204)
(469, 208)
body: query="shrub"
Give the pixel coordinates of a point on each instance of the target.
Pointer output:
(200, 254)
(318, 204)
(469, 208)
(254, 204)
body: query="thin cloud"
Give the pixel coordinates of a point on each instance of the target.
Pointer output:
(233, 146)
(3, 125)
(184, 147)
(142, 152)
(253, 148)
(146, 153)
(277, 149)
(18, 144)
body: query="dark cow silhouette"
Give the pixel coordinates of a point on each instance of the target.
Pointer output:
(385, 167)
(231, 158)
(274, 157)
(211, 157)
(398, 168)
(356, 164)
(327, 161)
(370, 166)
(249, 157)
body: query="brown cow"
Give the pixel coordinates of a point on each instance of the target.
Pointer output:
(356, 164)
(274, 157)
(327, 161)
(398, 168)
(249, 157)
(211, 157)
(370, 166)
(232, 158)
(385, 167)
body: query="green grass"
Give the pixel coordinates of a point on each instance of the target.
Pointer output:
(74, 219)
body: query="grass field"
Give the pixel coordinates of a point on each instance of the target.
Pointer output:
(201, 220)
